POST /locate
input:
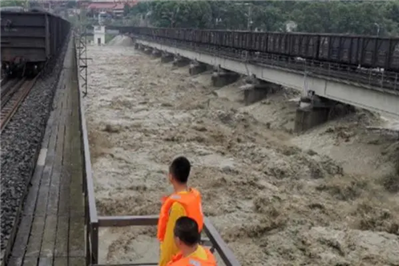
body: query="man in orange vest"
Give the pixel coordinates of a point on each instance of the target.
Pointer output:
(184, 201)
(187, 239)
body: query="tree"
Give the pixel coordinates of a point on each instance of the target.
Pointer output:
(346, 17)
(5, 3)
(181, 14)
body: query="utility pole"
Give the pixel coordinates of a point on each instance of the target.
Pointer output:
(249, 14)
(378, 28)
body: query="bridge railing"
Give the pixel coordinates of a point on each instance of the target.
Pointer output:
(94, 222)
(362, 77)
(91, 217)
(213, 240)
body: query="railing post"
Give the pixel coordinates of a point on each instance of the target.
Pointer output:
(87, 223)
(94, 243)
(329, 69)
(369, 77)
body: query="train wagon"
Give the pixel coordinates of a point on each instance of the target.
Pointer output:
(347, 50)
(29, 39)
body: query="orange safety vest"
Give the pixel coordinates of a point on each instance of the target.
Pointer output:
(178, 260)
(192, 204)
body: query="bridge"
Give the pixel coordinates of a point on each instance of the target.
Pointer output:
(323, 85)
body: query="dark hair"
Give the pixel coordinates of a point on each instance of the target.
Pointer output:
(180, 169)
(186, 229)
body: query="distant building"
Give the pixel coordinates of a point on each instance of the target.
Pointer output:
(115, 7)
(129, 2)
(101, 7)
(99, 35)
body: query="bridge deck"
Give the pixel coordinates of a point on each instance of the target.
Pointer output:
(367, 96)
(51, 231)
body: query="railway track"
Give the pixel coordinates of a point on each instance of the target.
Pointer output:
(13, 93)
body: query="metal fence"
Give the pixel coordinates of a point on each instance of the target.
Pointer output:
(93, 221)
(362, 77)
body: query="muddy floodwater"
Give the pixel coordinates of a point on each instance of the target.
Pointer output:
(325, 197)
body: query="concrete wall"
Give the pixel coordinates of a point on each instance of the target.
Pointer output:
(374, 99)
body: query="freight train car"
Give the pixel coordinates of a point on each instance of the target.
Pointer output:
(346, 50)
(29, 39)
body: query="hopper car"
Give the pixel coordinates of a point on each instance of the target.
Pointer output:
(350, 51)
(29, 38)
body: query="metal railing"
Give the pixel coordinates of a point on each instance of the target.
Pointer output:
(214, 240)
(91, 217)
(93, 221)
(362, 77)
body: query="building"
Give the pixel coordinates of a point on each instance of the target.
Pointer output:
(129, 2)
(114, 7)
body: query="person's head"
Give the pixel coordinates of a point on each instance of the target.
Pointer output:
(179, 171)
(186, 233)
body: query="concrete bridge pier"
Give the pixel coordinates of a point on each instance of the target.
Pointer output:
(180, 61)
(156, 53)
(314, 110)
(197, 67)
(256, 90)
(166, 57)
(222, 77)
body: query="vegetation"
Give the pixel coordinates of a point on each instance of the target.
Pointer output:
(4, 3)
(347, 17)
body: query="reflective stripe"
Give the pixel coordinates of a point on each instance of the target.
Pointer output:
(194, 262)
(175, 196)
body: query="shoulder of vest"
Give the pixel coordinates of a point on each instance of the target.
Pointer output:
(175, 197)
(194, 262)
(194, 190)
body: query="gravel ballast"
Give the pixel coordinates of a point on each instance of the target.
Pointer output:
(21, 141)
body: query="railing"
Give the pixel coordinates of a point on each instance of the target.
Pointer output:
(214, 240)
(367, 78)
(91, 218)
(93, 222)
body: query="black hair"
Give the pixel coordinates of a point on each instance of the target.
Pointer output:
(180, 169)
(186, 229)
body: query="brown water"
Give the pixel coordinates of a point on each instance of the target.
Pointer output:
(274, 201)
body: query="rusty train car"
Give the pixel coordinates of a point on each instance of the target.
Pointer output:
(347, 50)
(29, 39)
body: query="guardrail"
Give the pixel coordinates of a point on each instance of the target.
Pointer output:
(215, 241)
(91, 217)
(93, 222)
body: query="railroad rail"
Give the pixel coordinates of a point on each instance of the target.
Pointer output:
(13, 93)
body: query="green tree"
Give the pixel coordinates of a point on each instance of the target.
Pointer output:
(181, 14)
(5, 3)
(345, 17)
